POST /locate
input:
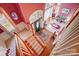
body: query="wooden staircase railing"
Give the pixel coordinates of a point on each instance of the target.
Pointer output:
(22, 49)
(30, 47)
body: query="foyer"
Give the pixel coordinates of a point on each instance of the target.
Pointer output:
(39, 29)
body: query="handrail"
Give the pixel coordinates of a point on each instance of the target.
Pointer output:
(74, 15)
(29, 52)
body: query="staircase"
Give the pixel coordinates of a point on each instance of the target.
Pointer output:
(31, 47)
(68, 42)
(36, 45)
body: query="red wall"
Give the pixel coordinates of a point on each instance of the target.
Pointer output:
(71, 6)
(10, 7)
(28, 8)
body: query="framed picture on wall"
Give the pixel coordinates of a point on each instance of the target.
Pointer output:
(14, 15)
(65, 10)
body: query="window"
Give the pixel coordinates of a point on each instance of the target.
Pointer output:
(5, 23)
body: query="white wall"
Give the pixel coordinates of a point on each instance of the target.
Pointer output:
(2, 48)
(48, 13)
(5, 36)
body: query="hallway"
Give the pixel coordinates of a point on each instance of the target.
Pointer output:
(39, 29)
